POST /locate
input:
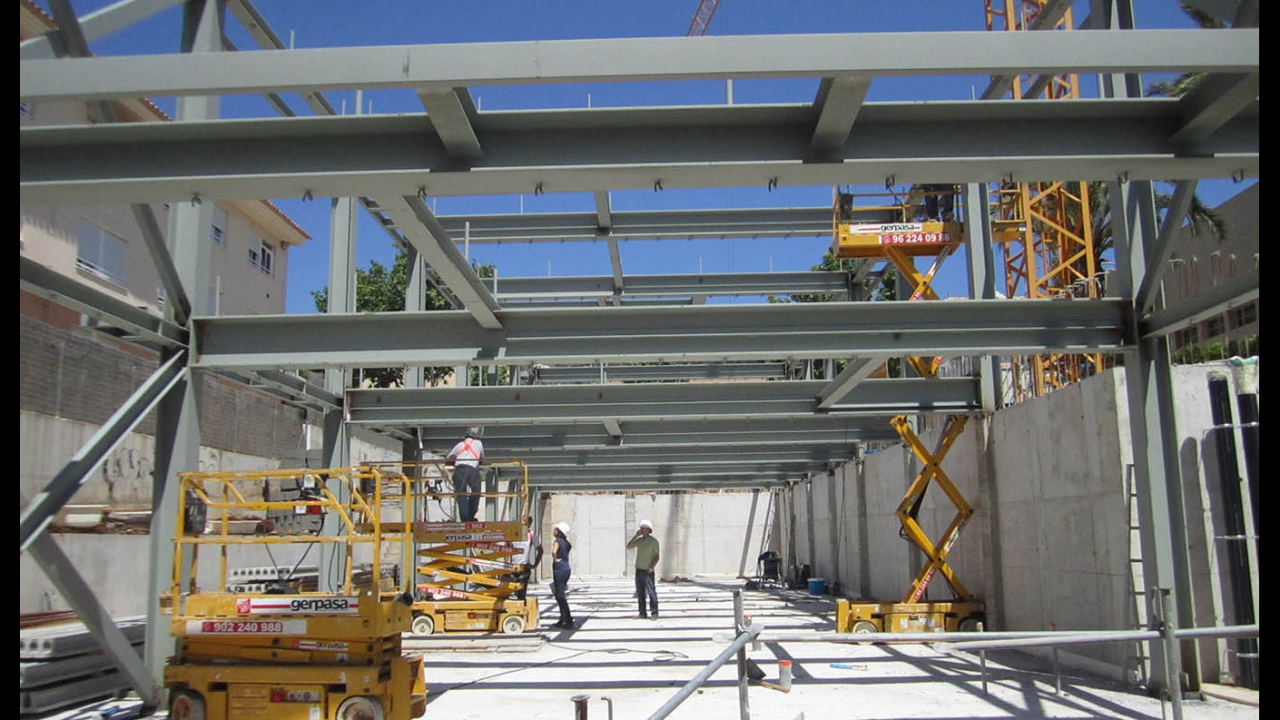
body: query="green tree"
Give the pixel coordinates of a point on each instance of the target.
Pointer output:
(380, 289)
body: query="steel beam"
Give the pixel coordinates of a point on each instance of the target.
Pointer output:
(632, 373)
(1162, 250)
(838, 102)
(434, 246)
(858, 369)
(81, 597)
(40, 512)
(717, 224)
(821, 430)
(449, 119)
(1049, 16)
(490, 406)
(1238, 290)
(1213, 102)
(582, 150)
(56, 287)
(261, 32)
(710, 474)
(643, 485)
(643, 59)
(698, 333)
(97, 24)
(175, 295)
(714, 284)
(626, 456)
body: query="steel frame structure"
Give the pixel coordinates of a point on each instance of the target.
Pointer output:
(387, 165)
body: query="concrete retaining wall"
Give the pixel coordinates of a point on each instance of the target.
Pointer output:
(1053, 542)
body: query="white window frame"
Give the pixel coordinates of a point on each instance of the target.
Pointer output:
(97, 264)
(267, 259)
(218, 230)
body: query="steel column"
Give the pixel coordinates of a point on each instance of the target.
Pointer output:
(178, 419)
(982, 283)
(1148, 380)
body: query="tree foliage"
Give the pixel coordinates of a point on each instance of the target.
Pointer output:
(382, 289)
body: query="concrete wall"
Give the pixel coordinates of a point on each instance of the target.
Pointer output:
(698, 533)
(1053, 542)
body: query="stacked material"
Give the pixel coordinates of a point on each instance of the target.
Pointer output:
(63, 664)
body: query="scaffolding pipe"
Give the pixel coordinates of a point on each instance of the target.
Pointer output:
(1094, 637)
(925, 637)
(747, 635)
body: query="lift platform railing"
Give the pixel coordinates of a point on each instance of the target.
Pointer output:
(358, 497)
(430, 478)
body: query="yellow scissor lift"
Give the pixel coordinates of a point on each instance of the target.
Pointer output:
(900, 243)
(293, 654)
(911, 614)
(469, 570)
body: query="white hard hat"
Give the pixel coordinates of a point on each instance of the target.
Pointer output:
(646, 524)
(563, 527)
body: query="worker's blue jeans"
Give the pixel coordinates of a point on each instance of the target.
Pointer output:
(466, 479)
(645, 588)
(559, 582)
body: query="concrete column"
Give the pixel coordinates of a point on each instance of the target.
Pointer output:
(864, 545)
(989, 503)
(178, 415)
(833, 533)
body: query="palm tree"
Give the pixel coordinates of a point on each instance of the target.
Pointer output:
(1203, 217)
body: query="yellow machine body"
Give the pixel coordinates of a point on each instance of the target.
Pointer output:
(913, 239)
(305, 655)
(941, 616)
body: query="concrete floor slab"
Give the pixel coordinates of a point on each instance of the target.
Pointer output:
(640, 664)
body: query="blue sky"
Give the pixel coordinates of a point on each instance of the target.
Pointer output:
(329, 23)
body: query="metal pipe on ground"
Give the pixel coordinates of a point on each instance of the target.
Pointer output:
(705, 673)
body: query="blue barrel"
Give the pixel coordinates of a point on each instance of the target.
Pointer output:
(817, 586)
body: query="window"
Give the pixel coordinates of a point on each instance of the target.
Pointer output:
(1242, 316)
(268, 259)
(160, 296)
(100, 252)
(25, 110)
(1214, 327)
(1190, 336)
(263, 257)
(218, 232)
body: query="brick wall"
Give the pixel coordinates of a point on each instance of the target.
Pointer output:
(79, 374)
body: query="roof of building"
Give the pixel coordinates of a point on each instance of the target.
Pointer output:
(34, 21)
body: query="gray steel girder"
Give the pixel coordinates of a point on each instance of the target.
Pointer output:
(642, 59)
(694, 333)
(745, 283)
(587, 149)
(649, 401)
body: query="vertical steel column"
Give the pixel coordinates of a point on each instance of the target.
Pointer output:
(982, 283)
(337, 439)
(414, 300)
(1148, 380)
(746, 542)
(178, 415)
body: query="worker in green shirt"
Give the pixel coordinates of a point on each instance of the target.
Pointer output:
(646, 546)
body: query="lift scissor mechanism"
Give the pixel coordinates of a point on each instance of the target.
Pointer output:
(912, 614)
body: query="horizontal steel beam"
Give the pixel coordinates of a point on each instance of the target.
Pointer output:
(713, 333)
(1238, 290)
(743, 283)
(420, 67)
(710, 474)
(56, 287)
(653, 225)
(626, 456)
(823, 429)
(640, 485)
(649, 401)
(583, 150)
(632, 373)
